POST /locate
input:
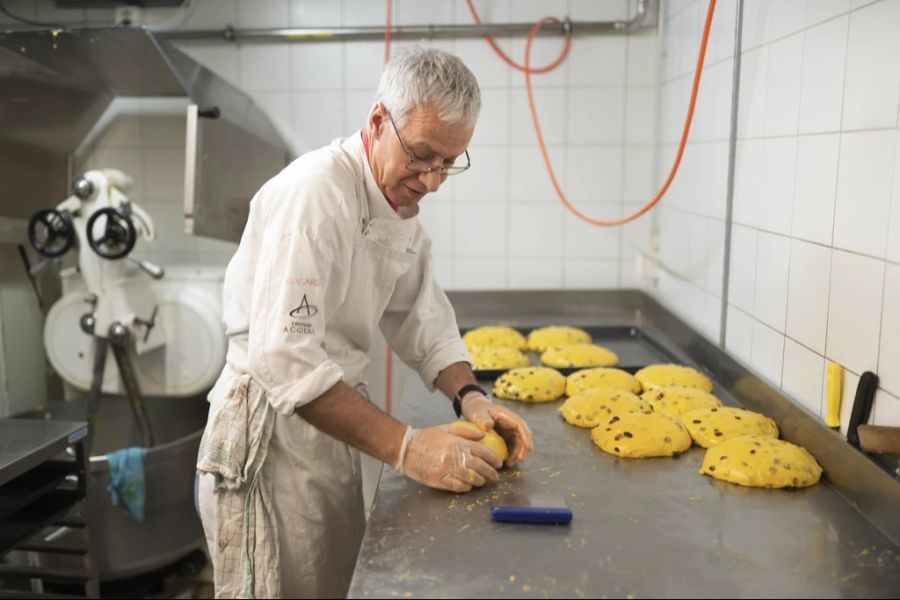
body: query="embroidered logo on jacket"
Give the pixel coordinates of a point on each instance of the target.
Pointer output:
(305, 310)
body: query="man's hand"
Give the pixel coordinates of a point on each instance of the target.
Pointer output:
(448, 458)
(480, 410)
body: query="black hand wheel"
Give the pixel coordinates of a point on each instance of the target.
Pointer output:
(111, 233)
(50, 232)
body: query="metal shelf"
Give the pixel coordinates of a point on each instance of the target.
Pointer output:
(40, 485)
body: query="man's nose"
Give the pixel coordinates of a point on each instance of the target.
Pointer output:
(431, 180)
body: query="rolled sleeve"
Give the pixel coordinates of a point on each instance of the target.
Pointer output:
(420, 324)
(442, 356)
(293, 290)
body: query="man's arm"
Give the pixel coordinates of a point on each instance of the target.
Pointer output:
(435, 456)
(343, 413)
(478, 408)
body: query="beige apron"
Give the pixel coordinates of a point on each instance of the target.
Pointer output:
(314, 479)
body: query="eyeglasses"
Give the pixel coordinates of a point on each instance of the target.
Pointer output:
(423, 166)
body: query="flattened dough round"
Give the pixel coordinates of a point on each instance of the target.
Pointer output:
(756, 461)
(712, 426)
(531, 384)
(492, 440)
(592, 407)
(679, 400)
(553, 336)
(578, 355)
(641, 435)
(498, 357)
(654, 376)
(493, 336)
(600, 377)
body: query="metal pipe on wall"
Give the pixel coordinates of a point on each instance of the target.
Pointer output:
(644, 17)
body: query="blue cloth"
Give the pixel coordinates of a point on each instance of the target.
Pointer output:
(126, 472)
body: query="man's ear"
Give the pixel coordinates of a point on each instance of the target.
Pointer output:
(377, 118)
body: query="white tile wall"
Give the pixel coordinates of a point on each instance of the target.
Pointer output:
(854, 310)
(739, 334)
(742, 273)
(803, 375)
(872, 85)
(808, 292)
(893, 251)
(886, 410)
(783, 85)
(772, 261)
(776, 203)
(824, 55)
(889, 356)
(767, 355)
(815, 187)
(815, 251)
(534, 274)
(862, 206)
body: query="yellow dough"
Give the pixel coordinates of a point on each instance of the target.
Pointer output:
(641, 435)
(493, 336)
(577, 355)
(678, 400)
(600, 377)
(655, 376)
(712, 426)
(554, 336)
(757, 461)
(498, 357)
(531, 384)
(491, 439)
(592, 407)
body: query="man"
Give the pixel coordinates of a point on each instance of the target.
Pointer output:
(332, 251)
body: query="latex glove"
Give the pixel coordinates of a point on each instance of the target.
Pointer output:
(448, 458)
(512, 428)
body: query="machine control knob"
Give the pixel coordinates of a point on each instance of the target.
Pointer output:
(88, 321)
(50, 232)
(111, 233)
(118, 333)
(82, 187)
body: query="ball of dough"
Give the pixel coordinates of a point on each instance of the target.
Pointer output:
(600, 377)
(756, 461)
(577, 355)
(493, 336)
(592, 407)
(679, 400)
(531, 384)
(654, 376)
(498, 357)
(491, 439)
(712, 426)
(553, 336)
(641, 435)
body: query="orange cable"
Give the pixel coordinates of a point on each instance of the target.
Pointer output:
(684, 134)
(511, 62)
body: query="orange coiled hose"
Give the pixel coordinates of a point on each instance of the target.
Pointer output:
(537, 125)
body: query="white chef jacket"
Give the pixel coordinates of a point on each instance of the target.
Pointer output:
(322, 262)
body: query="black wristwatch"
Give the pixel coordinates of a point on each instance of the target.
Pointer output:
(457, 400)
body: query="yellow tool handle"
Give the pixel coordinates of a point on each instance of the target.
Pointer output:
(834, 388)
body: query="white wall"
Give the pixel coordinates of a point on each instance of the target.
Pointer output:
(499, 225)
(815, 251)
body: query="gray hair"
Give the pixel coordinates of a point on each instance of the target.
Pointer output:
(415, 76)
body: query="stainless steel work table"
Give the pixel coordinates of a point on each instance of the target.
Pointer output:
(641, 528)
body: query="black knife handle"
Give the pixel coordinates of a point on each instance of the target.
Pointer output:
(862, 405)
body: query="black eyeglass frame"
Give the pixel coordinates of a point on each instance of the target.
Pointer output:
(422, 166)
